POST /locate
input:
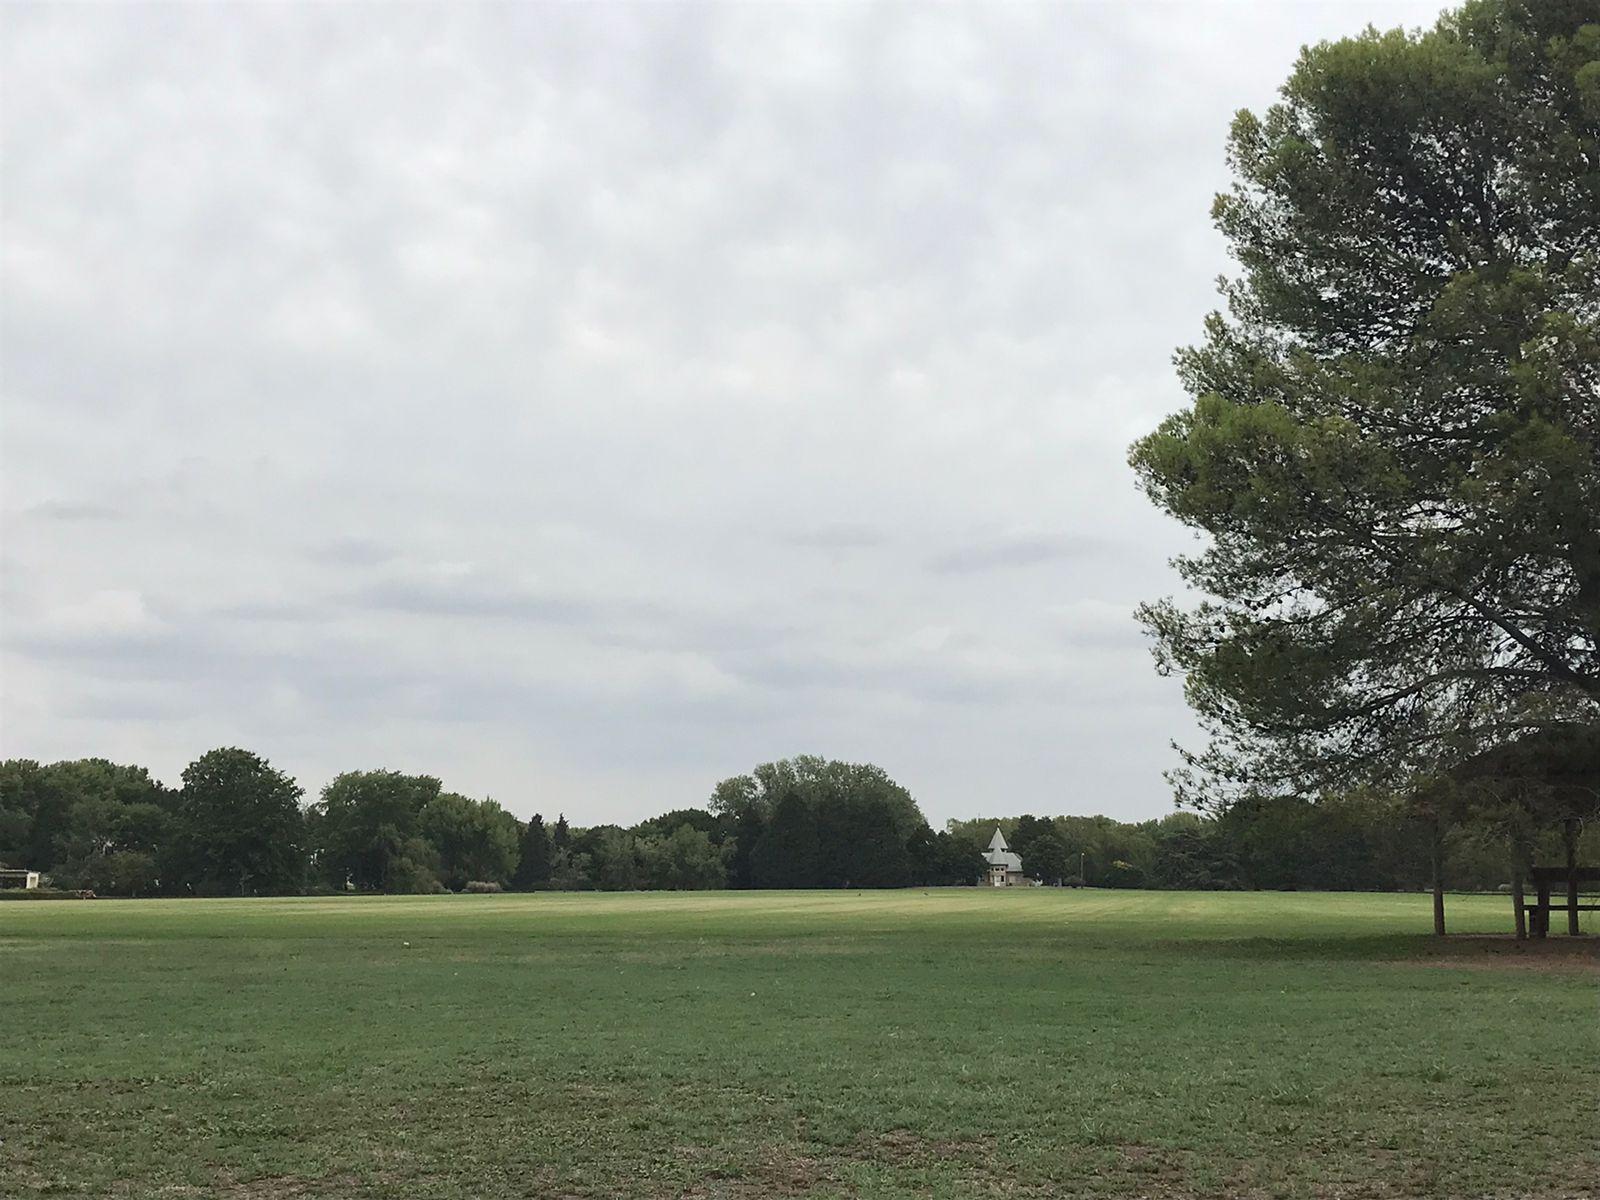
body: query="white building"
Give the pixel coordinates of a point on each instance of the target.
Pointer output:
(1005, 868)
(19, 879)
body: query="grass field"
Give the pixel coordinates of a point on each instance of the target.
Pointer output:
(947, 1043)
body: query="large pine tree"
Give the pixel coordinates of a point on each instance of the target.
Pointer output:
(1394, 445)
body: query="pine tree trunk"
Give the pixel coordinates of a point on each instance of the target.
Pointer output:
(1517, 896)
(1570, 835)
(1436, 862)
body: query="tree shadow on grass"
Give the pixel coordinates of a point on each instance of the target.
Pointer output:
(1470, 949)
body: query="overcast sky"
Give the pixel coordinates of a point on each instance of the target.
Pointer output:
(585, 403)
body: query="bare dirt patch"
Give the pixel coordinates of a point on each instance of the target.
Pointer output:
(777, 1171)
(290, 1186)
(1153, 1166)
(261, 1187)
(904, 1146)
(1502, 952)
(789, 1171)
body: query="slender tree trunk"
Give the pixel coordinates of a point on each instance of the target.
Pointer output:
(1436, 863)
(1516, 893)
(1570, 835)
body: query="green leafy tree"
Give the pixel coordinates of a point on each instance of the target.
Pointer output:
(1194, 858)
(474, 839)
(365, 830)
(534, 855)
(859, 842)
(1394, 442)
(118, 873)
(923, 852)
(739, 804)
(844, 824)
(1047, 859)
(570, 871)
(959, 859)
(684, 860)
(1024, 834)
(614, 859)
(862, 824)
(15, 826)
(22, 789)
(787, 855)
(707, 822)
(112, 848)
(61, 817)
(102, 826)
(948, 858)
(240, 828)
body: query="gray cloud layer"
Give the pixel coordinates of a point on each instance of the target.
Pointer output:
(587, 402)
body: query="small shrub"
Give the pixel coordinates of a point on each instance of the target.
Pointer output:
(481, 885)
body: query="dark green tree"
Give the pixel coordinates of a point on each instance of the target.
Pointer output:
(1194, 858)
(22, 790)
(1047, 859)
(683, 860)
(240, 828)
(959, 859)
(365, 827)
(1394, 443)
(923, 853)
(570, 871)
(61, 817)
(747, 828)
(740, 806)
(667, 823)
(787, 855)
(1028, 830)
(859, 842)
(534, 856)
(858, 828)
(101, 826)
(476, 840)
(615, 863)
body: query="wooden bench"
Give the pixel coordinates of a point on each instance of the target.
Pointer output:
(1543, 878)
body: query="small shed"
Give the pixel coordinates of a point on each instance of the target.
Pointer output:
(18, 878)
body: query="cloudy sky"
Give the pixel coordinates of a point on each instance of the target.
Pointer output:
(586, 403)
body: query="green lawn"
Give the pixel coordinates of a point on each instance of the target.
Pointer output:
(945, 1043)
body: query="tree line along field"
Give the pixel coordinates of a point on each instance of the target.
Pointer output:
(940, 1042)
(239, 826)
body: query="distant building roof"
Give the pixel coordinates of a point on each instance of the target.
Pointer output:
(999, 854)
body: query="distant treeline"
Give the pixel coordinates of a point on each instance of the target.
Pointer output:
(1364, 843)
(237, 826)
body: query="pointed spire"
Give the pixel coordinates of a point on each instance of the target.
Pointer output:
(998, 841)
